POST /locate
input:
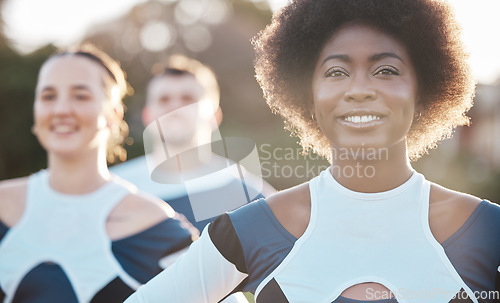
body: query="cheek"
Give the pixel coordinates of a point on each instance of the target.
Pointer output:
(92, 110)
(325, 97)
(40, 113)
(404, 98)
(163, 109)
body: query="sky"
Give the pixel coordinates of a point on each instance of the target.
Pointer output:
(33, 23)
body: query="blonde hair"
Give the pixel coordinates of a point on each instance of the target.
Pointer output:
(116, 88)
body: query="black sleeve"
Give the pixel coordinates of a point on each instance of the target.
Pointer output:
(226, 241)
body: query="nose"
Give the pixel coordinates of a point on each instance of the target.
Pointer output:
(62, 106)
(175, 104)
(178, 105)
(360, 90)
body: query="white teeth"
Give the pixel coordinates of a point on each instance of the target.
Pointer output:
(361, 119)
(63, 128)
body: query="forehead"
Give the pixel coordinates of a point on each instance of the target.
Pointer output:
(361, 39)
(170, 85)
(70, 70)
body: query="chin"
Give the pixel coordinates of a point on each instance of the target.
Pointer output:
(178, 137)
(359, 143)
(68, 151)
(64, 153)
(178, 141)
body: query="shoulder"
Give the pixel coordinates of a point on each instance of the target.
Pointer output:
(292, 208)
(13, 187)
(449, 210)
(285, 213)
(12, 200)
(135, 213)
(143, 205)
(251, 239)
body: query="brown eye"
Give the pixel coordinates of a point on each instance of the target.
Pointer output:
(82, 97)
(188, 99)
(81, 94)
(386, 70)
(48, 96)
(164, 99)
(336, 72)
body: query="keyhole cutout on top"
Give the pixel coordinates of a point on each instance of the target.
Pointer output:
(369, 291)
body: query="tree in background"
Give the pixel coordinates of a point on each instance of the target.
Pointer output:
(20, 153)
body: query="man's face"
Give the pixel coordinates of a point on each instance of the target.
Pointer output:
(175, 102)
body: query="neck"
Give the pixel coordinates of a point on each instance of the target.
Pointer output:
(185, 165)
(371, 170)
(195, 158)
(185, 157)
(78, 175)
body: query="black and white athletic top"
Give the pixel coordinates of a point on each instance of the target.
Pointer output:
(59, 251)
(351, 238)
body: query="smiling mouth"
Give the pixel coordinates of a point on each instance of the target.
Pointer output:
(63, 129)
(361, 119)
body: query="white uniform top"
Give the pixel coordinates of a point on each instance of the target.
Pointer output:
(355, 237)
(69, 230)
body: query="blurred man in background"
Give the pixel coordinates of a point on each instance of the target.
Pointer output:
(181, 116)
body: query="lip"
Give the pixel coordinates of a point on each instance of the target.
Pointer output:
(353, 118)
(63, 129)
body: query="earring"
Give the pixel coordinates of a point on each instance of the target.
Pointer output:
(417, 116)
(313, 117)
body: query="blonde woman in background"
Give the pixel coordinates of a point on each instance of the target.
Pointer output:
(74, 232)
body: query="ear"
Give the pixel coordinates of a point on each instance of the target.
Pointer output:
(115, 114)
(310, 107)
(419, 107)
(147, 116)
(218, 117)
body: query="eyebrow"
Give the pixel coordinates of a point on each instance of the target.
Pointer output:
(380, 56)
(372, 58)
(344, 58)
(48, 88)
(81, 86)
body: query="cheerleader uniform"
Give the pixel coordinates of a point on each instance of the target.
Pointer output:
(351, 238)
(59, 251)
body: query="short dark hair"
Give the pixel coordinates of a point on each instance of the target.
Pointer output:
(169, 71)
(180, 65)
(287, 51)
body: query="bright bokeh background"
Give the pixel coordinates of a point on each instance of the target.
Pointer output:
(33, 23)
(141, 33)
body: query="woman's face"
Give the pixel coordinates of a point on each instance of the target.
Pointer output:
(69, 106)
(364, 89)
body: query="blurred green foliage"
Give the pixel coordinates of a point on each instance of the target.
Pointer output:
(20, 153)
